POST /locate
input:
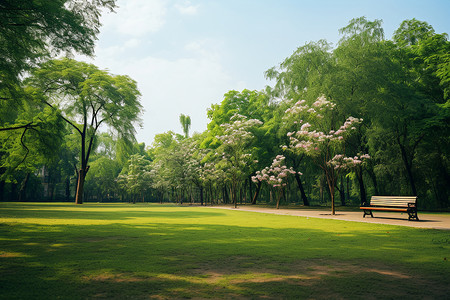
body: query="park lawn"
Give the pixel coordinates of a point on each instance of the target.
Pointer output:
(145, 251)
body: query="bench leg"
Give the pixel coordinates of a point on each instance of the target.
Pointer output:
(367, 212)
(413, 215)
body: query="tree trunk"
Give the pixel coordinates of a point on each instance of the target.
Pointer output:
(279, 197)
(250, 189)
(80, 186)
(23, 188)
(333, 212)
(201, 195)
(302, 190)
(362, 189)
(234, 193)
(321, 196)
(258, 188)
(331, 184)
(347, 185)
(225, 195)
(342, 191)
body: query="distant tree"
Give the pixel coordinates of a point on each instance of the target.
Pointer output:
(411, 32)
(88, 97)
(275, 175)
(320, 139)
(236, 151)
(136, 176)
(185, 122)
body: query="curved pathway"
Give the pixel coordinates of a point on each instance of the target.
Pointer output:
(427, 220)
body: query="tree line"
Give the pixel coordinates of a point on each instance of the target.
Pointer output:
(369, 116)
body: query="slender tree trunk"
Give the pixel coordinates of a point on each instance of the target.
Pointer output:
(227, 196)
(373, 177)
(250, 189)
(80, 186)
(280, 191)
(23, 188)
(330, 175)
(362, 189)
(342, 191)
(302, 190)
(234, 194)
(224, 195)
(258, 189)
(347, 185)
(333, 211)
(210, 194)
(201, 195)
(321, 196)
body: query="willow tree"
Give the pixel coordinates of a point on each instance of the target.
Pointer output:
(31, 31)
(87, 98)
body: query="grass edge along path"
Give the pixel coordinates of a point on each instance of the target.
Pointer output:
(117, 251)
(431, 220)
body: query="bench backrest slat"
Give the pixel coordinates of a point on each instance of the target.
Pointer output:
(396, 201)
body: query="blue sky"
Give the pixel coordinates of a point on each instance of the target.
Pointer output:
(185, 55)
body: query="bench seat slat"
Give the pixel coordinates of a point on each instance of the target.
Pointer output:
(384, 208)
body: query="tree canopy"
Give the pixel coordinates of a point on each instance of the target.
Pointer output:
(87, 98)
(369, 116)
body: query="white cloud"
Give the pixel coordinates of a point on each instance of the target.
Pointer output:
(136, 17)
(172, 87)
(188, 84)
(205, 48)
(186, 8)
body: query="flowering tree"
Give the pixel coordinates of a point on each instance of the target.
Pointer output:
(275, 175)
(236, 154)
(321, 139)
(212, 177)
(136, 176)
(194, 165)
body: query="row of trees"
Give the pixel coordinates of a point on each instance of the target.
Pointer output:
(42, 100)
(370, 116)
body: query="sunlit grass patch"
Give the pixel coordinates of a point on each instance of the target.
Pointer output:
(118, 251)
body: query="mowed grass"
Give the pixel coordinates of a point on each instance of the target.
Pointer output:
(125, 251)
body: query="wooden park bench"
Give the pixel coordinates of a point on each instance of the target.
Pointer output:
(392, 203)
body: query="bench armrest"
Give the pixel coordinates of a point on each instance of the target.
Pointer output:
(411, 205)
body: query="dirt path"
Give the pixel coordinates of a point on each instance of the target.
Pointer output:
(427, 220)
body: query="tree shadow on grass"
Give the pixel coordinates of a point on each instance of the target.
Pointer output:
(105, 215)
(162, 260)
(311, 278)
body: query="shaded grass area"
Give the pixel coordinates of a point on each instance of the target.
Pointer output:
(120, 251)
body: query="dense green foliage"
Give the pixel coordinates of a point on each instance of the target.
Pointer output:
(32, 32)
(119, 251)
(397, 90)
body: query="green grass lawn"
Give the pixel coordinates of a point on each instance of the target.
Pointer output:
(125, 251)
